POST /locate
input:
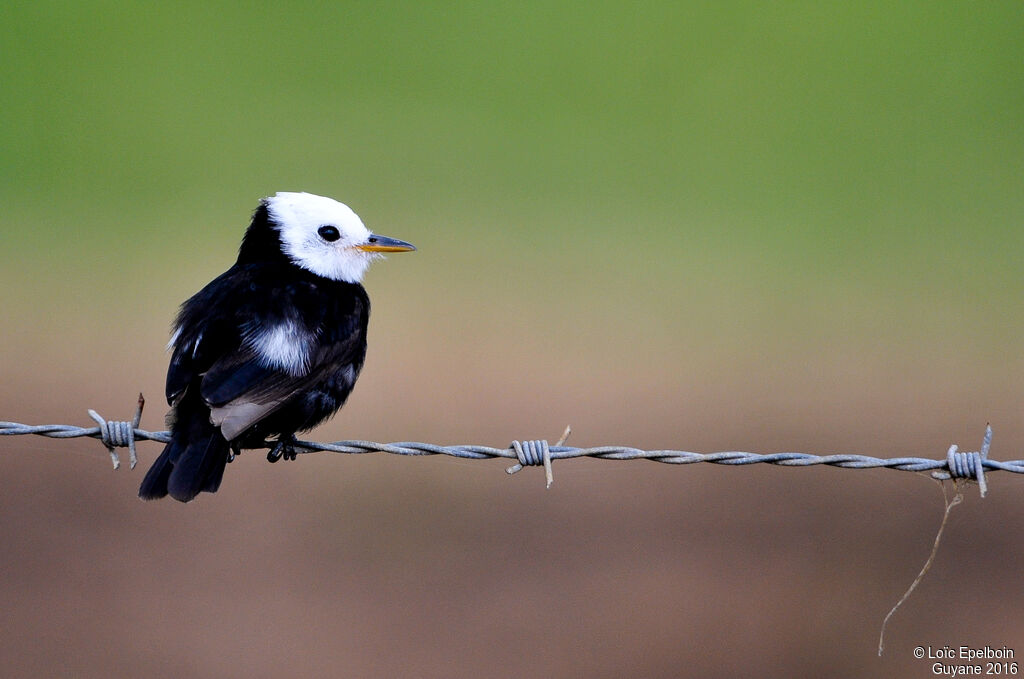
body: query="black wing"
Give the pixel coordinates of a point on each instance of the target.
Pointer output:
(206, 329)
(242, 390)
(240, 385)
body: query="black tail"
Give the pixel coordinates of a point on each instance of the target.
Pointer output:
(193, 462)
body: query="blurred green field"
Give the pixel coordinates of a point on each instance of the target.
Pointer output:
(748, 169)
(747, 182)
(700, 225)
(849, 141)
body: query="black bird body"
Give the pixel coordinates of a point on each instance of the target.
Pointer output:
(267, 349)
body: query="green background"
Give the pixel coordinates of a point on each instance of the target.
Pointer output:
(704, 226)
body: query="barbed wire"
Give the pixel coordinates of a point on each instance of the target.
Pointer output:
(961, 466)
(957, 464)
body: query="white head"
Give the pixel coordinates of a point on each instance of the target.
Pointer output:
(326, 237)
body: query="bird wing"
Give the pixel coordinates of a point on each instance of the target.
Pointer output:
(201, 334)
(243, 387)
(249, 362)
(193, 354)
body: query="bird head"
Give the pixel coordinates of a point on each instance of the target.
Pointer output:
(326, 237)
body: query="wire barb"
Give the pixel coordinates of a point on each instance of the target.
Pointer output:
(535, 453)
(115, 434)
(968, 464)
(532, 453)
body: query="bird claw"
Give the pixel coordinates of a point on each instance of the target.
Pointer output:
(284, 448)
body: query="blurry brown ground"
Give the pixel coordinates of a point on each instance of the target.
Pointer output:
(378, 566)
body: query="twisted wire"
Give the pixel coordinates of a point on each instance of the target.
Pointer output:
(956, 464)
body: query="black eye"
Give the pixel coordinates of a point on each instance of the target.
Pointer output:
(329, 233)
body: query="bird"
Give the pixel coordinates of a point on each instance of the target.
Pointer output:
(271, 347)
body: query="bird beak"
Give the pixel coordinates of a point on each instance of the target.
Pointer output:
(384, 244)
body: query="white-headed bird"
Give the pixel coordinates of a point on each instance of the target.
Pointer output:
(272, 346)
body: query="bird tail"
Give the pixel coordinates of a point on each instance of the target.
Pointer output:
(193, 462)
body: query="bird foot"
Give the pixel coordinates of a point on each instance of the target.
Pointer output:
(284, 448)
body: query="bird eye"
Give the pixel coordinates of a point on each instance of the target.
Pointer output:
(329, 233)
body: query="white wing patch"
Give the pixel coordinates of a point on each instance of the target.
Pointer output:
(286, 346)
